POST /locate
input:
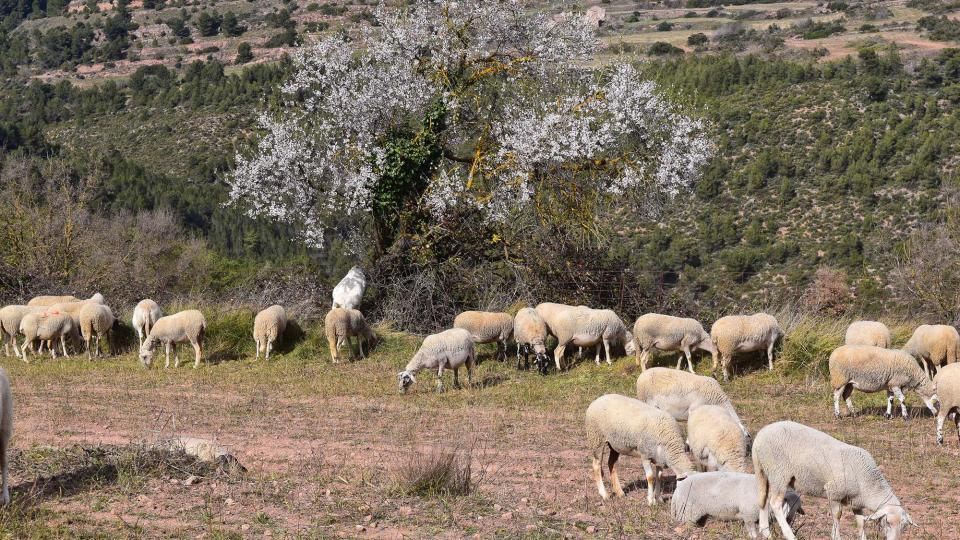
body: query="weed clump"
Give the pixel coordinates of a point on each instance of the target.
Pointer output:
(440, 472)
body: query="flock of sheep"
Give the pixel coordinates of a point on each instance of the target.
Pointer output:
(710, 461)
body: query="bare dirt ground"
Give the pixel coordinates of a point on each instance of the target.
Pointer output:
(325, 444)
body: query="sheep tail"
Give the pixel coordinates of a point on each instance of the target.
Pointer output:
(763, 484)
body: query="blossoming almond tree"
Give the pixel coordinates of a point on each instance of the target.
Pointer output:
(449, 103)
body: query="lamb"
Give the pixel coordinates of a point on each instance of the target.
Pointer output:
(668, 333)
(744, 333)
(349, 292)
(724, 496)
(340, 325)
(145, 315)
(868, 333)
(268, 326)
(631, 427)
(6, 430)
(872, 369)
(449, 349)
(947, 383)
(530, 333)
(10, 317)
(586, 327)
(46, 326)
(678, 393)
(47, 301)
(487, 327)
(716, 440)
(189, 325)
(933, 345)
(95, 319)
(791, 455)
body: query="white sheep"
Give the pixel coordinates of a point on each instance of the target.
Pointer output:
(788, 455)
(449, 349)
(47, 326)
(587, 327)
(487, 327)
(6, 430)
(868, 333)
(145, 315)
(679, 393)
(744, 333)
(73, 308)
(268, 326)
(670, 334)
(934, 345)
(872, 369)
(724, 496)
(549, 311)
(10, 317)
(349, 292)
(341, 325)
(947, 383)
(95, 320)
(716, 439)
(628, 426)
(530, 333)
(47, 301)
(189, 325)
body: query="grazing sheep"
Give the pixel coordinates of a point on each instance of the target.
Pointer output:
(669, 334)
(947, 383)
(73, 308)
(934, 345)
(268, 326)
(46, 326)
(744, 333)
(340, 325)
(716, 439)
(6, 430)
(872, 369)
(10, 317)
(530, 333)
(189, 325)
(724, 496)
(46, 301)
(487, 327)
(95, 319)
(631, 427)
(145, 315)
(349, 292)
(587, 327)
(449, 349)
(868, 333)
(790, 455)
(679, 393)
(549, 311)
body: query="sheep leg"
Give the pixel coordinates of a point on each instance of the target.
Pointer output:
(956, 421)
(598, 471)
(51, 348)
(836, 510)
(689, 355)
(658, 484)
(266, 355)
(776, 504)
(470, 374)
(518, 356)
(456, 378)
(23, 351)
(648, 469)
(256, 356)
(751, 528)
(606, 349)
(596, 357)
(770, 355)
(637, 353)
(860, 521)
(558, 355)
(614, 478)
(440, 379)
(166, 349)
(901, 398)
(726, 368)
(99, 348)
(940, 418)
(889, 413)
(16, 349)
(642, 359)
(140, 336)
(198, 352)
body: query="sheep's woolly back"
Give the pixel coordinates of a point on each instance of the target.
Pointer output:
(269, 324)
(586, 326)
(146, 314)
(947, 382)
(790, 452)
(342, 323)
(486, 326)
(188, 325)
(725, 496)
(868, 333)
(733, 330)
(450, 348)
(631, 426)
(679, 392)
(872, 369)
(349, 292)
(529, 328)
(710, 428)
(935, 342)
(549, 311)
(667, 333)
(50, 300)
(47, 325)
(95, 319)
(11, 316)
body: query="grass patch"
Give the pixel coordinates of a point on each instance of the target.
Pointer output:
(439, 472)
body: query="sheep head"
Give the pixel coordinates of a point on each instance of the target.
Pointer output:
(405, 379)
